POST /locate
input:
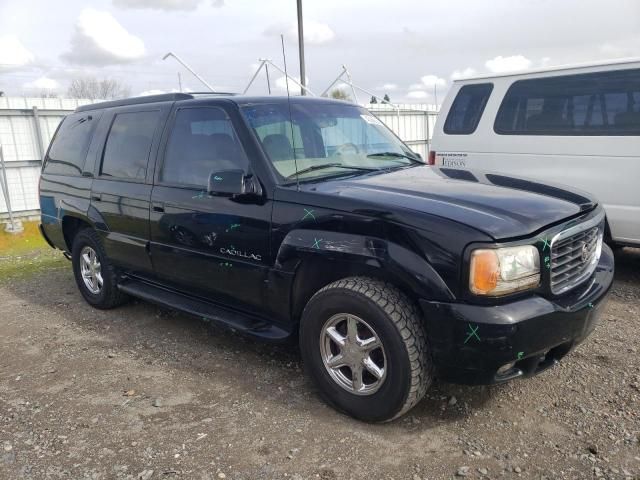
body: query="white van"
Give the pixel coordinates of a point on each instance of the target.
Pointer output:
(574, 125)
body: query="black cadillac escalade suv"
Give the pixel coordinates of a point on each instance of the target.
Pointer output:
(311, 220)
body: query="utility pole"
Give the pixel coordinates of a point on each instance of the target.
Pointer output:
(303, 79)
(179, 82)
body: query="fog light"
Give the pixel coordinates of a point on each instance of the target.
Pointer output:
(505, 368)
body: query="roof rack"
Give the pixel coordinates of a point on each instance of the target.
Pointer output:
(164, 97)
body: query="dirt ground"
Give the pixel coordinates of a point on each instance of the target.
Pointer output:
(145, 393)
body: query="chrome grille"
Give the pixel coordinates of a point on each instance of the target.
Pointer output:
(574, 256)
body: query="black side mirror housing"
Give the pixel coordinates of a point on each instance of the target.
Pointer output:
(227, 183)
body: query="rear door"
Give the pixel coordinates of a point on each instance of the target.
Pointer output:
(121, 190)
(211, 246)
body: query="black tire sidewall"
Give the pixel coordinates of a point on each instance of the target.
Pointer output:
(392, 395)
(85, 238)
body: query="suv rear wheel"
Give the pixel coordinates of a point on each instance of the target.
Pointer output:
(95, 276)
(364, 346)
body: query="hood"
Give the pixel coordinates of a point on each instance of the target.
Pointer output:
(498, 205)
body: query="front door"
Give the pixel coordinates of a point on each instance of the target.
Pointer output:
(210, 246)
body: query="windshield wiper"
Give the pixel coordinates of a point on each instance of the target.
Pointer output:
(322, 166)
(393, 154)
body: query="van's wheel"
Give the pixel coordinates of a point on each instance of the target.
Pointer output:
(94, 274)
(363, 344)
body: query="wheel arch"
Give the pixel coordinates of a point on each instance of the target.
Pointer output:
(71, 225)
(318, 258)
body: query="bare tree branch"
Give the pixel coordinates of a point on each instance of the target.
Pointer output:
(95, 89)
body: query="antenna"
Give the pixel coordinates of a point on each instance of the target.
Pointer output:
(293, 139)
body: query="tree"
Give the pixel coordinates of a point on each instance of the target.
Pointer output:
(373, 100)
(95, 89)
(339, 94)
(386, 97)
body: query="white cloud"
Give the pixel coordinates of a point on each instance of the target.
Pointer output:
(165, 4)
(467, 72)
(388, 87)
(433, 81)
(416, 86)
(99, 39)
(416, 94)
(42, 84)
(315, 33)
(502, 64)
(545, 61)
(13, 53)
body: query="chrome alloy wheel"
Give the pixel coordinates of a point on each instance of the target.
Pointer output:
(353, 354)
(90, 270)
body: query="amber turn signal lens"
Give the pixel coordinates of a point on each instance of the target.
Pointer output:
(485, 270)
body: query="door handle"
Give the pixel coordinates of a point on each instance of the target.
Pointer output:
(96, 197)
(157, 207)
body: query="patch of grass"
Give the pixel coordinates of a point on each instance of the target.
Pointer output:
(15, 244)
(27, 253)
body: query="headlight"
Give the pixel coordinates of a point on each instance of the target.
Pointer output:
(499, 271)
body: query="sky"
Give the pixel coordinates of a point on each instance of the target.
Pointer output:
(409, 49)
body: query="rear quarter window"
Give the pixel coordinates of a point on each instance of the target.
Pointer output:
(69, 146)
(591, 104)
(467, 108)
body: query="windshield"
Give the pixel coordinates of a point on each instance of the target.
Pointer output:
(326, 139)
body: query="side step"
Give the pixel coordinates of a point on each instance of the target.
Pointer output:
(209, 311)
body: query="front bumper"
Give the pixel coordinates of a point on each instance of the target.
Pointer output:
(470, 343)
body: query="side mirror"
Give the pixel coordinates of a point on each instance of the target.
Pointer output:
(227, 182)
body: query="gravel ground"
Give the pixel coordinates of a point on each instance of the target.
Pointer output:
(145, 393)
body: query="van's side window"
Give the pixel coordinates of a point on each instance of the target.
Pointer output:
(202, 142)
(128, 145)
(603, 103)
(467, 108)
(69, 148)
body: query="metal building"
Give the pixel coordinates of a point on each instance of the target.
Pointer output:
(26, 127)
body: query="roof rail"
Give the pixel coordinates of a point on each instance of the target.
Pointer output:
(213, 93)
(165, 97)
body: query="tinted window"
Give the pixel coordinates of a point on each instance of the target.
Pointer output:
(69, 148)
(606, 103)
(127, 150)
(202, 142)
(467, 108)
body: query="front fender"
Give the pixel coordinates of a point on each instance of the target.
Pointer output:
(394, 262)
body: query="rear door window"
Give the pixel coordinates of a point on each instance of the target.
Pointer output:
(202, 141)
(69, 148)
(126, 152)
(603, 103)
(467, 108)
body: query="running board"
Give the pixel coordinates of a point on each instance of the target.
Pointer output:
(205, 310)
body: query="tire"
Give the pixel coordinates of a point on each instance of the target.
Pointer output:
(381, 312)
(107, 295)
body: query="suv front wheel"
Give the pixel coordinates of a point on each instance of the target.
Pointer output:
(364, 346)
(95, 276)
